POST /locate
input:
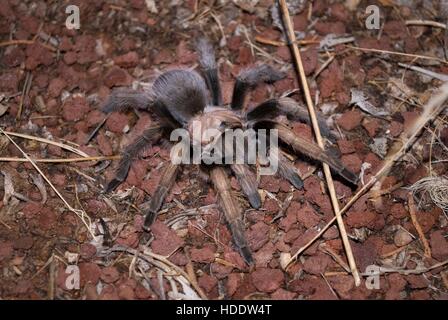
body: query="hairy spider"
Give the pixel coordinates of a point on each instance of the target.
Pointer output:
(180, 97)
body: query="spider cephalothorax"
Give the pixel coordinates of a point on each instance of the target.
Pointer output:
(180, 99)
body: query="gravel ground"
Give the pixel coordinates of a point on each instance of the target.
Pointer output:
(53, 82)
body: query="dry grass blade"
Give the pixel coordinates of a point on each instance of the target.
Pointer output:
(282, 43)
(436, 188)
(431, 110)
(329, 179)
(58, 144)
(415, 56)
(25, 42)
(148, 255)
(429, 23)
(25, 90)
(80, 213)
(385, 270)
(421, 234)
(60, 160)
(429, 73)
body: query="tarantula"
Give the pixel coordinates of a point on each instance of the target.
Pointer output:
(179, 97)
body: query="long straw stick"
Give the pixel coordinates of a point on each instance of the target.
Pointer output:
(296, 53)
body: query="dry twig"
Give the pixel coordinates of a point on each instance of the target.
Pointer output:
(80, 213)
(309, 101)
(58, 144)
(60, 160)
(417, 226)
(428, 23)
(415, 56)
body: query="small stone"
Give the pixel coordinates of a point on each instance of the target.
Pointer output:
(270, 183)
(282, 294)
(350, 120)
(258, 235)
(55, 87)
(126, 292)
(352, 162)
(264, 255)
(398, 211)
(110, 274)
(24, 243)
(70, 57)
(358, 219)
(371, 126)
(104, 144)
(127, 60)
(402, 238)
(117, 77)
(307, 216)
(166, 241)
(233, 281)
(142, 293)
(109, 292)
(207, 282)
(346, 146)
(267, 280)
(316, 264)
(75, 108)
(203, 255)
(87, 251)
(89, 272)
(439, 245)
(117, 121)
(6, 250)
(417, 281)
(13, 56)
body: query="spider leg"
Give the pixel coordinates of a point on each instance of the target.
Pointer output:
(232, 211)
(207, 61)
(149, 136)
(313, 151)
(286, 168)
(248, 183)
(290, 108)
(166, 182)
(122, 99)
(249, 79)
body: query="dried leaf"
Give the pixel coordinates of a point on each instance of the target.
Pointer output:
(379, 147)
(360, 99)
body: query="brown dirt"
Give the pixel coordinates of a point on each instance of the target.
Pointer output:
(124, 44)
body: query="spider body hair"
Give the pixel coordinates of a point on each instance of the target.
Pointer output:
(182, 92)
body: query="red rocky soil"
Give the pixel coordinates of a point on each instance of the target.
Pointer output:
(128, 43)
